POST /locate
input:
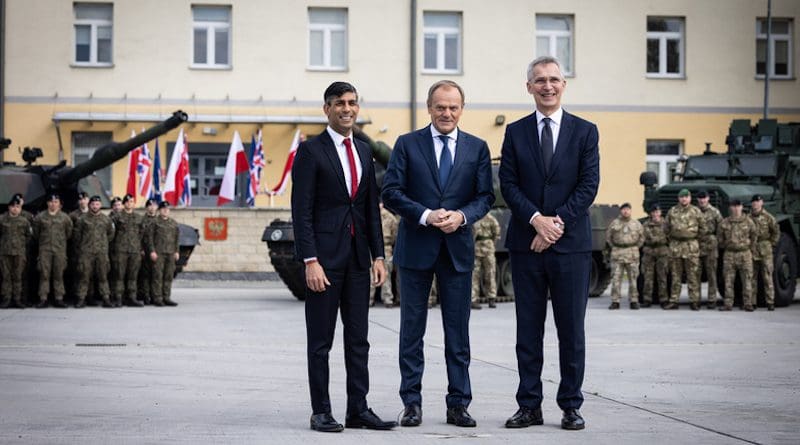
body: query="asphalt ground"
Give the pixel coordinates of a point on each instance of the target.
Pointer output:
(228, 366)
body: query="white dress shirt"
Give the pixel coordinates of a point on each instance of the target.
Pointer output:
(438, 146)
(555, 128)
(341, 151)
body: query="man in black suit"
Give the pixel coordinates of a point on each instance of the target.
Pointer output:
(337, 227)
(439, 181)
(549, 176)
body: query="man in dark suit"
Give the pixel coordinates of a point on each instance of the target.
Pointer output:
(337, 227)
(549, 175)
(439, 181)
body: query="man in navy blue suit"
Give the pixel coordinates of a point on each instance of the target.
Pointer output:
(549, 176)
(337, 226)
(439, 181)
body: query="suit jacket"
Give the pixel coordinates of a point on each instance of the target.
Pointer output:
(567, 190)
(322, 211)
(411, 185)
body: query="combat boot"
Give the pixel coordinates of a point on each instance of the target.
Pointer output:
(492, 305)
(726, 307)
(42, 305)
(107, 302)
(646, 304)
(634, 305)
(168, 302)
(80, 303)
(695, 306)
(59, 304)
(132, 302)
(770, 307)
(670, 306)
(158, 303)
(5, 304)
(711, 305)
(748, 308)
(118, 301)
(614, 305)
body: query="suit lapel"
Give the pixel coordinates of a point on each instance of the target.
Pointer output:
(462, 147)
(330, 151)
(532, 133)
(564, 136)
(425, 142)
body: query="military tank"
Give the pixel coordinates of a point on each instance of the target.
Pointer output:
(761, 159)
(36, 182)
(279, 236)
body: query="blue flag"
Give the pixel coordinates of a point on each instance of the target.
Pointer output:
(155, 192)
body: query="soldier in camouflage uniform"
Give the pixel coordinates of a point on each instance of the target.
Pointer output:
(162, 242)
(30, 251)
(24, 213)
(737, 235)
(685, 224)
(116, 205)
(144, 288)
(52, 230)
(768, 235)
(709, 249)
(625, 235)
(126, 253)
(486, 232)
(73, 250)
(92, 234)
(15, 231)
(389, 225)
(655, 257)
(433, 295)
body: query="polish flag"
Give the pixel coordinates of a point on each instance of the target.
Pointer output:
(176, 189)
(133, 164)
(287, 169)
(234, 166)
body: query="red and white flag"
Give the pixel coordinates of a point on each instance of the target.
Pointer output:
(234, 166)
(133, 163)
(177, 189)
(143, 169)
(287, 169)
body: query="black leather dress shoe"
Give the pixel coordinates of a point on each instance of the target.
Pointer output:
(459, 416)
(525, 417)
(369, 420)
(325, 423)
(572, 420)
(412, 416)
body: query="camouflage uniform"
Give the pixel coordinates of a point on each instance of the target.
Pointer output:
(15, 231)
(144, 288)
(709, 250)
(389, 225)
(738, 237)
(684, 226)
(655, 260)
(52, 233)
(162, 238)
(433, 295)
(625, 236)
(72, 276)
(486, 232)
(91, 235)
(768, 236)
(126, 254)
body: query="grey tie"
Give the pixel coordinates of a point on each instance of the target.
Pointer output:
(546, 143)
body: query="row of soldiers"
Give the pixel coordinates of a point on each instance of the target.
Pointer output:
(687, 241)
(90, 247)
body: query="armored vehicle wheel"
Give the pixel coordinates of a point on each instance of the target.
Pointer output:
(785, 272)
(504, 285)
(289, 269)
(600, 277)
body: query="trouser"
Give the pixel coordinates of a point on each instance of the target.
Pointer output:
(144, 288)
(51, 267)
(741, 262)
(654, 268)
(709, 264)
(12, 269)
(126, 271)
(618, 269)
(93, 265)
(763, 268)
(484, 271)
(691, 266)
(163, 271)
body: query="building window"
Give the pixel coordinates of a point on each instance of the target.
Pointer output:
(554, 38)
(211, 36)
(93, 32)
(327, 39)
(665, 47)
(442, 40)
(84, 144)
(662, 158)
(780, 48)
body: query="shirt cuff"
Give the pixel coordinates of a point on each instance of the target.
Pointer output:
(378, 258)
(309, 260)
(465, 218)
(534, 217)
(423, 220)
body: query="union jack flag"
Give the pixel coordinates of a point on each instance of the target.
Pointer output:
(256, 165)
(143, 169)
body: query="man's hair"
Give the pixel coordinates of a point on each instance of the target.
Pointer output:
(337, 89)
(444, 84)
(543, 60)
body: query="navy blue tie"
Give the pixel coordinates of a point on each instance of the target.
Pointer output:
(546, 143)
(445, 161)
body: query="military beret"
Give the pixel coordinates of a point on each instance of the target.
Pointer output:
(757, 198)
(702, 194)
(163, 205)
(127, 198)
(83, 195)
(735, 202)
(115, 199)
(684, 192)
(655, 207)
(15, 201)
(53, 197)
(624, 205)
(95, 198)
(150, 202)
(18, 196)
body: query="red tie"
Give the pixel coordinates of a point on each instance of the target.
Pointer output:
(353, 179)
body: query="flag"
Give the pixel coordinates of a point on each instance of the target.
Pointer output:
(235, 165)
(177, 189)
(257, 164)
(133, 163)
(143, 168)
(287, 169)
(155, 192)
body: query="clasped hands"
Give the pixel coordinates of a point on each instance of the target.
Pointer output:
(548, 230)
(448, 221)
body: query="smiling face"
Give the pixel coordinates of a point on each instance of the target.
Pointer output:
(83, 203)
(546, 87)
(53, 205)
(94, 206)
(656, 215)
(15, 209)
(625, 212)
(446, 107)
(703, 202)
(342, 112)
(685, 200)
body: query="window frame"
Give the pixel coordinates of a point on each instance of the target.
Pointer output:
(664, 176)
(93, 24)
(552, 36)
(788, 38)
(327, 29)
(663, 37)
(441, 33)
(211, 27)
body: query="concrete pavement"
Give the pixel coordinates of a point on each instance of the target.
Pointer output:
(228, 366)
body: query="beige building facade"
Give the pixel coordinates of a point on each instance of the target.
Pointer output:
(660, 78)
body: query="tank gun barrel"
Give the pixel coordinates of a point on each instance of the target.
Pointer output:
(114, 151)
